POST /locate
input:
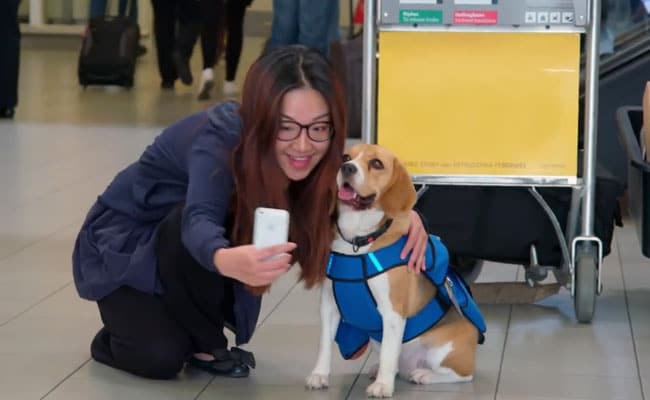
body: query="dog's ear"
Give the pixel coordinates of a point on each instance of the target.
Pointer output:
(400, 196)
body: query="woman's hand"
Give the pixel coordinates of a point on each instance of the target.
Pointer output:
(416, 244)
(253, 266)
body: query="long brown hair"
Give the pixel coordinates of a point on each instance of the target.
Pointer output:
(259, 181)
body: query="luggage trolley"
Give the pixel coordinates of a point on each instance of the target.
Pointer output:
(486, 93)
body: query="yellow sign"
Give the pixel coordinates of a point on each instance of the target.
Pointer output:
(480, 104)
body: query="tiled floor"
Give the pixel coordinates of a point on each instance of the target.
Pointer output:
(64, 147)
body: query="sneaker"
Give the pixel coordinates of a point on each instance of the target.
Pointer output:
(207, 83)
(229, 88)
(182, 68)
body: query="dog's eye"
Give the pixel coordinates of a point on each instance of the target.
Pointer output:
(376, 164)
(346, 158)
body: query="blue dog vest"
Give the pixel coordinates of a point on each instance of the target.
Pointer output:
(360, 319)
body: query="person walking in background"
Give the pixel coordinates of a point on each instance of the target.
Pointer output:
(213, 12)
(176, 27)
(311, 23)
(212, 42)
(9, 57)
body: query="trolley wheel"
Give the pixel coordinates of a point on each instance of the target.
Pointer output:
(586, 283)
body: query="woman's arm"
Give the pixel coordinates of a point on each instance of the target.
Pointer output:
(210, 186)
(255, 267)
(416, 244)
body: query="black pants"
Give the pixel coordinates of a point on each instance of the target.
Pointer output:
(177, 24)
(235, 10)
(9, 53)
(153, 336)
(213, 12)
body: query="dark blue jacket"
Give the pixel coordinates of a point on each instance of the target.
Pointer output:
(190, 162)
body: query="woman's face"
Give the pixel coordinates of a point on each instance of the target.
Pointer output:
(304, 134)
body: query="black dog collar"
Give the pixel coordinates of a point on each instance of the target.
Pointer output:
(360, 241)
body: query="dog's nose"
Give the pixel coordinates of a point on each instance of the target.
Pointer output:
(348, 169)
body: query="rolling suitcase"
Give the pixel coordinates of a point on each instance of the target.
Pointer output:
(108, 51)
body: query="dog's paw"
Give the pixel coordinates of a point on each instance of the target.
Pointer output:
(380, 389)
(317, 381)
(422, 376)
(372, 372)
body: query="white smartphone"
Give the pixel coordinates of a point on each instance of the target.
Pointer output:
(271, 227)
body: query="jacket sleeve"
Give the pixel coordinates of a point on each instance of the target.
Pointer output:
(210, 185)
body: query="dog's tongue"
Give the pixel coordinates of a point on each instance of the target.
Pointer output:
(346, 193)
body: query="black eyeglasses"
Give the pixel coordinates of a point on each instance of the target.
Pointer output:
(320, 131)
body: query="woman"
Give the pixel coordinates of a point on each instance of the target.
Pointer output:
(165, 251)
(216, 25)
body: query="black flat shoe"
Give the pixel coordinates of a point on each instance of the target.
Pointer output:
(222, 368)
(235, 363)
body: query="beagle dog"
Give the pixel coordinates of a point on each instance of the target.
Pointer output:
(425, 325)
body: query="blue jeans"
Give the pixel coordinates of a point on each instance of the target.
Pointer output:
(312, 23)
(98, 8)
